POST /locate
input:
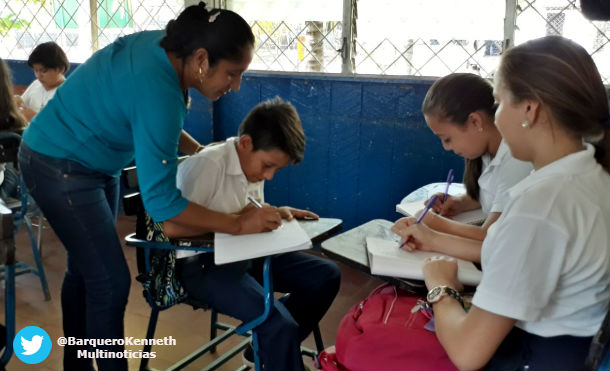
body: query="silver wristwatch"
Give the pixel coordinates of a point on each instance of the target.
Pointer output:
(436, 293)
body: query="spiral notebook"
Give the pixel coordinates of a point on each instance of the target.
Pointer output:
(387, 259)
(289, 237)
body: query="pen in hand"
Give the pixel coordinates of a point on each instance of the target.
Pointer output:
(421, 216)
(258, 205)
(254, 202)
(449, 180)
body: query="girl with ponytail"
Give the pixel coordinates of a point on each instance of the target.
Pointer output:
(460, 108)
(545, 288)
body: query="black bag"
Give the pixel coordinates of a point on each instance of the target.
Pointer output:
(162, 289)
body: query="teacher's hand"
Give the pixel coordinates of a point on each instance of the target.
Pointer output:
(255, 220)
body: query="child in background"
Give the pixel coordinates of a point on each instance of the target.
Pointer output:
(545, 287)
(50, 64)
(459, 108)
(221, 177)
(12, 121)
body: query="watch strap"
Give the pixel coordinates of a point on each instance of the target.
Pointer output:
(448, 291)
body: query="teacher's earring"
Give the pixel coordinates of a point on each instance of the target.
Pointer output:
(200, 77)
(526, 124)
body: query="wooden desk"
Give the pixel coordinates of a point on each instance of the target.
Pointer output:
(350, 248)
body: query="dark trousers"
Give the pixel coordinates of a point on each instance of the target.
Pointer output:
(521, 350)
(81, 207)
(235, 289)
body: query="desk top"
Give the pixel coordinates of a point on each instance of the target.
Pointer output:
(317, 230)
(350, 248)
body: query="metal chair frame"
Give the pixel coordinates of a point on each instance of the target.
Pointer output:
(22, 215)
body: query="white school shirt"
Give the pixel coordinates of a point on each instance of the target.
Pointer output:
(546, 261)
(36, 96)
(498, 176)
(213, 178)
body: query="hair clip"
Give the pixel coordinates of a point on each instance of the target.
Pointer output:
(213, 17)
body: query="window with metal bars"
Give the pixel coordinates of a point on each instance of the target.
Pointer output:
(412, 38)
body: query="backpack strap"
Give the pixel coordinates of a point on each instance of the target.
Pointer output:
(599, 346)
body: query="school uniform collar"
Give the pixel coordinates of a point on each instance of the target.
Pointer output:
(233, 165)
(502, 152)
(571, 165)
(489, 162)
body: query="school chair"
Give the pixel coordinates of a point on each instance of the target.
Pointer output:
(23, 212)
(7, 259)
(132, 205)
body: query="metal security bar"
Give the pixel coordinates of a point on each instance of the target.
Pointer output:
(80, 27)
(386, 37)
(537, 18)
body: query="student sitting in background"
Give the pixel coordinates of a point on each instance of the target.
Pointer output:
(49, 63)
(546, 284)
(459, 108)
(12, 121)
(221, 177)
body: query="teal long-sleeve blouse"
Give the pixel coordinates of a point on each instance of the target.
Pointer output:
(123, 102)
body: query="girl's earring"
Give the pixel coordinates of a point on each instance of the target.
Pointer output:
(526, 124)
(480, 129)
(200, 77)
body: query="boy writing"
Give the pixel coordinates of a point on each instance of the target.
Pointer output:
(222, 177)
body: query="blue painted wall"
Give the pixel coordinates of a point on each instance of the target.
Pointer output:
(367, 143)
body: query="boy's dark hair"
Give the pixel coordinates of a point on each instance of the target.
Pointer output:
(275, 124)
(223, 33)
(50, 55)
(453, 98)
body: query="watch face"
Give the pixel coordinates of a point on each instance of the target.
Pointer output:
(434, 294)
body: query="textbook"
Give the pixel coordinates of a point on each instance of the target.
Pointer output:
(476, 217)
(289, 237)
(387, 259)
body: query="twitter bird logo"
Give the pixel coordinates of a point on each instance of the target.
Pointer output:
(32, 345)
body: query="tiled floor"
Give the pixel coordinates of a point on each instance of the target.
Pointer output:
(190, 328)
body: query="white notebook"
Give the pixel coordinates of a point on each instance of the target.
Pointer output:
(386, 259)
(289, 237)
(469, 217)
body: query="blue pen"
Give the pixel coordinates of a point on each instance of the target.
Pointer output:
(422, 215)
(449, 180)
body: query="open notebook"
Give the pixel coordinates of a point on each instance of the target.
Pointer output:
(386, 259)
(408, 207)
(470, 217)
(289, 237)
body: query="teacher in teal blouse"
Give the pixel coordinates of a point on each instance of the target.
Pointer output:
(129, 100)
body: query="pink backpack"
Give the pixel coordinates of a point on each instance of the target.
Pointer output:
(381, 333)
